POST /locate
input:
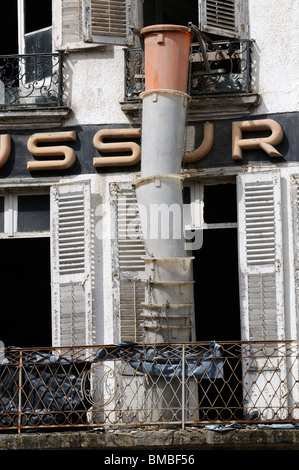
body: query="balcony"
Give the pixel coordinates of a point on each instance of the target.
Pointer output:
(219, 81)
(31, 89)
(137, 384)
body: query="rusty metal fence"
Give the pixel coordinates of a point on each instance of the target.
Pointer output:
(137, 384)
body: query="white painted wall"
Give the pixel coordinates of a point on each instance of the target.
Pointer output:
(274, 27)
(94, 86)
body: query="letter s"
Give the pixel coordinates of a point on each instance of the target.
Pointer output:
(59, 150)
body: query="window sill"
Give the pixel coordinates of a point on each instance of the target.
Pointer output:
(217, 106)
(33, 118)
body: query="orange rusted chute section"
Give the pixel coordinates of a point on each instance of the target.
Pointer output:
(167, 49)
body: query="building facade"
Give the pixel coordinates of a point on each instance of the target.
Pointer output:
(71, 148)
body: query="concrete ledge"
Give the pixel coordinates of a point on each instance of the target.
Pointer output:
(191, 439)
(30, 118)
(205, 107)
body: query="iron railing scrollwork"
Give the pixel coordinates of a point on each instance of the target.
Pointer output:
(30, 80)
(229, 64)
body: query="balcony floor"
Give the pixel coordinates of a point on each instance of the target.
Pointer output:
(191, 439)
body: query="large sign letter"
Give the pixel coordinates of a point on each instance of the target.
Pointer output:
(5, 147)
(112, 147)
(204, 148)
(265, 143)
(55, 151)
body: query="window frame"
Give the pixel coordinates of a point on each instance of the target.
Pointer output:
(11, 215)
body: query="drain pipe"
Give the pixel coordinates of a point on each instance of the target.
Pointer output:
(168, 310)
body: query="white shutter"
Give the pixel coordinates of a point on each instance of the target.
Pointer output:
(108, 21)
(295, 202)
(224, 17)
(71, 21)
(260, 252)
(129, 254)
(71, 264)
(261, 293)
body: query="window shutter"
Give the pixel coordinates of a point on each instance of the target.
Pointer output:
(71, 21)
(295, 201)
(129, 263)
(108, 21)
(224, 17)
(71, 264)
(260, 251)
(261, 293)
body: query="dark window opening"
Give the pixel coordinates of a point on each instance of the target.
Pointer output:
(217, 304)
(37, 16)
(216, 292)
(170, 12)
(216, 268)
(9, 28)
(1, 214)
(33, 213)
(220, 203)
(38, 38)
(25, 306)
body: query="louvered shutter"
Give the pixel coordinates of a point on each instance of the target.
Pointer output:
(71, 21)
(129, 263)
(260, 252)
(295, 202)
(108, 21)
(71, 264)
(224, 17)
(261, 293)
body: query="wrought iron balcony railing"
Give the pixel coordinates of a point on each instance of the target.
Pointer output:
(30, 80)
(139, 384)
(228, 62)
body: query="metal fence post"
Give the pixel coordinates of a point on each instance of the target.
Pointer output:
(20, 392)
(183, 386)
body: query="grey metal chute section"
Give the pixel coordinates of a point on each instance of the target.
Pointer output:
(169, 307)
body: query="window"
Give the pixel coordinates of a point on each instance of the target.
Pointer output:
(228, 18)
(25, 275)
(28, 76)
(239, 271)
(25, 305)
(224, 18)
(211, 208)
(45, 247)
(24, 213)
(9, 28)
(113, 21)
(30, 27)
(215, 265)
(170, 12)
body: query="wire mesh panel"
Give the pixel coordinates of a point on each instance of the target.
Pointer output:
(138, 384)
